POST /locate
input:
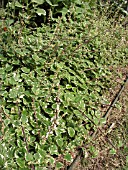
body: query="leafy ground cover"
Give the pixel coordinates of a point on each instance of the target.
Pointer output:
(52, 81)
(112, 142)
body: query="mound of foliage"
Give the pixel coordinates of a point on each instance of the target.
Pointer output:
(35, 12)
(51, 82)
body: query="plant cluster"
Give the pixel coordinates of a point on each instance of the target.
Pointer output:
(51, 82)
(113, 8)
(36, 12)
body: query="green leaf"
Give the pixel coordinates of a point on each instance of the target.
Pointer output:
(71, 131)
(8, 67)
(28, 157)
(51, 160)
(68, 86)
(20, 162)
(36, 90)
(96, 120)
(17, 4)
(78, 114)
(103, 120)
(68, 157)
(53, 149)
(54, 106)
(19, 143)
(77, 98)
(24, 117)
(82, 104)
(50, 3)
(37, 156)
(42, 152)
(38, 1)
(12, 80)
(127, 159)
(112, 151)
(25, 69)
(59, 142)
(2, 58)
(41, 12)
(12, 93)
(4, 93)
(36, 57)
(59, 165)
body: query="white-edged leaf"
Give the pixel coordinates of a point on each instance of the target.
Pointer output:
(38, 1)
(71, 131)
(41, 12)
